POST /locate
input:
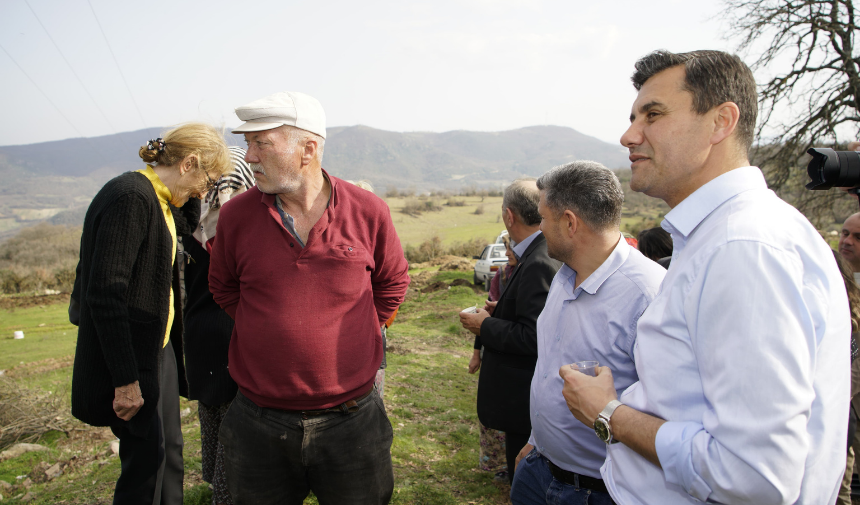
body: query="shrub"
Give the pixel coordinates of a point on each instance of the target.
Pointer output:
(432, 248)
(456, 202)
(415, 207)
(41, 257)
(426, 251)
(479, 210)
(469, 248)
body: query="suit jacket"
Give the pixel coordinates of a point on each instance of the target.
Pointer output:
(509, 339)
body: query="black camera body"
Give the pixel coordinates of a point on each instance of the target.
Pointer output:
(830, 168)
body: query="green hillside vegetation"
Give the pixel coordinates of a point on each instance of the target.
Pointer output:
(40, 258)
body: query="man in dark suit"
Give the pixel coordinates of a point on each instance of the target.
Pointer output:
(507, 329)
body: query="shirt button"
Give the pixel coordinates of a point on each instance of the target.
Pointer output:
(291, 244)
(544, 375)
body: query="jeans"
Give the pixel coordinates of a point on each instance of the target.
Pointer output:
(534, 484)
(276, 456)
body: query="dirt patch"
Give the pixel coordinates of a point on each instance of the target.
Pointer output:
(396, 349)
(447, 262)
(39, 367)
(436, 286)
(456, 264)
(26, 301)
(421, 279)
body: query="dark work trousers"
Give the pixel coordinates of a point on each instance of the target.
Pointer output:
(514, 443)
(152, 468)
(276, 456)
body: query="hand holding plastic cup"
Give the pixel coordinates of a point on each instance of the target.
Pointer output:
(586, 367)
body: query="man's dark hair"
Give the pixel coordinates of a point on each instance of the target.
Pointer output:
(523, 201)
(655, 243)
(586, 188)
(713, 77)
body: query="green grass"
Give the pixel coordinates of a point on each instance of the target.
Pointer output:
(451, 224)
(429, 396)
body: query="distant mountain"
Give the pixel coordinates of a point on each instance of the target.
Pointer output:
(459, 158)
(56, 180)
(449, 159)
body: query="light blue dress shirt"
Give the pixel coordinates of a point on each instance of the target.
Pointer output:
(520, 248)
(595, 321)
(745, 352)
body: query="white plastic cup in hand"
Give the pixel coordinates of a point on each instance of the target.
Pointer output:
(470, 310)
(586, 367)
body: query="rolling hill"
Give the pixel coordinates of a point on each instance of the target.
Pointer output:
(55, 180)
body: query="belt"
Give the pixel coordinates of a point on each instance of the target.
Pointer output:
(345, 407)
(575, 479)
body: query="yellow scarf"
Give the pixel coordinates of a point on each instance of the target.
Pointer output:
(164, 197)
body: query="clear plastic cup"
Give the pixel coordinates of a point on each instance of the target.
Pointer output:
(586, 367)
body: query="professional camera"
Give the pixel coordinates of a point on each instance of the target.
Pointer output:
(830, 168)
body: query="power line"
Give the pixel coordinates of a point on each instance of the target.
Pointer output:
(53, 104)
(80, 81)
(117, 65)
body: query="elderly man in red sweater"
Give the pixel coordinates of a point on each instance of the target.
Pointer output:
(310, 267)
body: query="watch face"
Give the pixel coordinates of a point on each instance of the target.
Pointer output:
(601, 427)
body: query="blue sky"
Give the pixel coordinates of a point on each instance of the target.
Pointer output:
(404, 66)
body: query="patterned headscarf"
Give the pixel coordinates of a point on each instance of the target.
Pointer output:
(229, 185)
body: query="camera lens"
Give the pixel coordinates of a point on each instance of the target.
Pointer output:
(830, 168)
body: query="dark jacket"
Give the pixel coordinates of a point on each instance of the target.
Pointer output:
(509, 339)
(122, 293)
(207, 333)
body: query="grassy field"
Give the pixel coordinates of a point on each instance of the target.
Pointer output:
(452, 223)
(428, 394)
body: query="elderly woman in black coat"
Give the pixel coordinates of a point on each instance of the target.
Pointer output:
(128, 371)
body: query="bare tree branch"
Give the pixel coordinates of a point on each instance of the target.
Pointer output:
(809, 46)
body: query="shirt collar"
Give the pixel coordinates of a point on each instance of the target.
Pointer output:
(687, 215)
(521, 247)
(590, 285)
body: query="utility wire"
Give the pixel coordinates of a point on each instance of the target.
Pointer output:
(53, 104)
(81, 82)
(117, 65)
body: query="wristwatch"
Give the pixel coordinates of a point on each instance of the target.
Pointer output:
(601, 424)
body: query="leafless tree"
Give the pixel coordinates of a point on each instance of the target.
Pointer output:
(807, 47)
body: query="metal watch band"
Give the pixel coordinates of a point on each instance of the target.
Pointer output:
(604, 419)
(609, 409)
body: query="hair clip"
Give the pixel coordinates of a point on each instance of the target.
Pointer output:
(157, 144)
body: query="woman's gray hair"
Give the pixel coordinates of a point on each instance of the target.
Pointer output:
(586, 188)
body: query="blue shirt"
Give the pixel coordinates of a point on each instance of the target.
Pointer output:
(745, 352)
(520, 248)
(595, 321)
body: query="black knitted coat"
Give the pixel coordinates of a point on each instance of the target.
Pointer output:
(207, 327)
(122, 290)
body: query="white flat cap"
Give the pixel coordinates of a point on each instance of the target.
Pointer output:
(283, 108)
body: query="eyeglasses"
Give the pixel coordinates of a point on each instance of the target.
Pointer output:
(210, 184)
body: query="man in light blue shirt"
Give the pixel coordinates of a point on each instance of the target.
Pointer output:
(743, 357)
(594, 301)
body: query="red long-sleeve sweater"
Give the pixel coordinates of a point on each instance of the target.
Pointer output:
(307, 333)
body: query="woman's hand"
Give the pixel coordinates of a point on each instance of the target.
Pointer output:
(127, 400)
(475, 362)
